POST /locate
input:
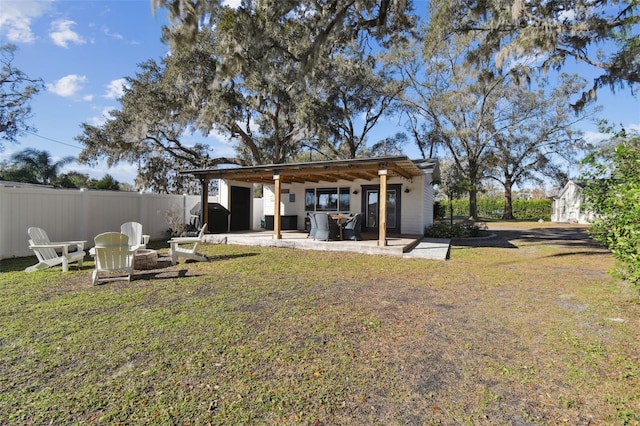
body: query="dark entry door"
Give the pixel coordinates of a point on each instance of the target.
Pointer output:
(240, 209)
(371, 207)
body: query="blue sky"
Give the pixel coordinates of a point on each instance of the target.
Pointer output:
(83, 49)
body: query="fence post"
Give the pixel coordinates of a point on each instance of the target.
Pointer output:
(84, 214)
(6, 218)
(184, 208)
(140, 209)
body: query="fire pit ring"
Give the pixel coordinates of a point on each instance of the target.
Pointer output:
(145, 259)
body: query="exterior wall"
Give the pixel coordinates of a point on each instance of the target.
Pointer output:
(297, 207)
(224, 193)
(258, 213)
(417, 205)
(71, 214)
(427, 204)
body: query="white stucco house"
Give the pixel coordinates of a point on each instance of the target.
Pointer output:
(398, 186)
(568, 205)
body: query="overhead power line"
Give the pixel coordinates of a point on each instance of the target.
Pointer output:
(53, 140)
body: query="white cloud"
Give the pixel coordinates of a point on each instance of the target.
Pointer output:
(219, 137)
(99, 120)
(594, 137)
(567, 15)
(221, 144)
(67, 86)
(106, 31)
(115, 89)
(62, 34)
(633, 126)
(7, 153)
(16, 18)
(232, 3)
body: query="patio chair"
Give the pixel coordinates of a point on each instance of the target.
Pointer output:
(312, 225)
(133, 230)
(327, 228)
(351, 228)
(113, 258)
(178, 249)
(53, 253)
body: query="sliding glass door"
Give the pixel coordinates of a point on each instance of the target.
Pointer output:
(371, 207)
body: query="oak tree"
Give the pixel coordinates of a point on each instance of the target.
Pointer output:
(148, 131)
(599, 33)
(253, 75)
(17, 90)
(535, 136)
(355, 92)
(491, 124)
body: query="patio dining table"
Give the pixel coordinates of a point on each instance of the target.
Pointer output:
(341, 220)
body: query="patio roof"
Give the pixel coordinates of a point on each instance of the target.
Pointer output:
(328, 171)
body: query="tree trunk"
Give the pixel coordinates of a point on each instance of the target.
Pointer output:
(507, 213)
(473, 204)
(473, 191)
(450, 213)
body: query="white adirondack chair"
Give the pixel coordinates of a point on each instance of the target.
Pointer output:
(133, 230)
(113, 257)
(187, 247)
(53, 253)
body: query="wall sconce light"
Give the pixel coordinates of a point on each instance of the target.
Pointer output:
(355, 192)
(406, 190)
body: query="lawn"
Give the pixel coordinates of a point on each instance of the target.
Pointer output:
(525, 328)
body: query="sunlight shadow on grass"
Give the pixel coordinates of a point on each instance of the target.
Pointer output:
(232, 256)
(164, 275)
(581, 253)
(496, 241)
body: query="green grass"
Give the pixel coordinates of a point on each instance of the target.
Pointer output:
(278, 336)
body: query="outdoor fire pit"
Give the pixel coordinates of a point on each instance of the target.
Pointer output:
(145, 259)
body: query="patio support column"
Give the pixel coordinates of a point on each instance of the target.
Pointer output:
(276, 207)
(382, 213)
(204, 202)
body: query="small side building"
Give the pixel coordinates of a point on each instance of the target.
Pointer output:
(568, 205)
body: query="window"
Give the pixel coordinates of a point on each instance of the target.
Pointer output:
(344, 200)
(309, 200)
(327, 199)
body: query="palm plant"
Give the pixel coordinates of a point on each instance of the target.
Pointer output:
(39, 165)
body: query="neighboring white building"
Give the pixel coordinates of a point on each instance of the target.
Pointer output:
(568, 205)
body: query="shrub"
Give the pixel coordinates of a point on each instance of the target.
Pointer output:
(457, 230)
(492, 208)
(614, 195)
(532, 209)
(439, 210)
(175, 222)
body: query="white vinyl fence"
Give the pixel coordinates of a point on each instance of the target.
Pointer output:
(71, 214)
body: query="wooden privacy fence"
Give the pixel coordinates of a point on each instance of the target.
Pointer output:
(71, 214)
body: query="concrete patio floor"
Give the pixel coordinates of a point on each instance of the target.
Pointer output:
(412, 246)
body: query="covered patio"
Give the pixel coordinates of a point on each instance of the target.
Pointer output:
(370, 171)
